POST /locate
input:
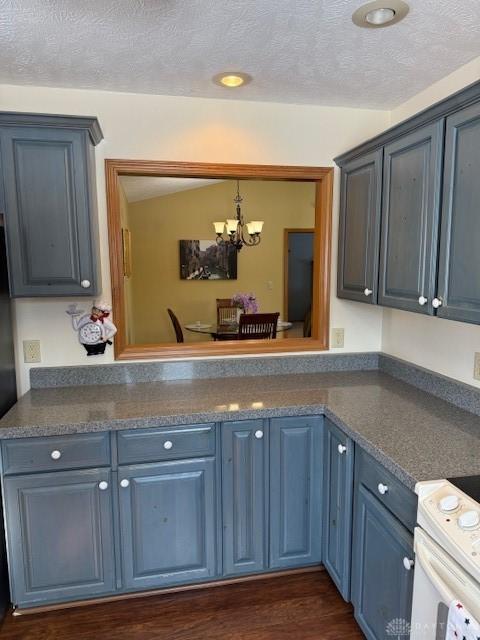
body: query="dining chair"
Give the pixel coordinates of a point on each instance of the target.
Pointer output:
(226, 311)
(176, 326)
(258, 326)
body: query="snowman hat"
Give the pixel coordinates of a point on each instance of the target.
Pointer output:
(103, 306)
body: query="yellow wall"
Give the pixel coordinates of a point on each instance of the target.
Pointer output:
(158, 224)
(127, 282)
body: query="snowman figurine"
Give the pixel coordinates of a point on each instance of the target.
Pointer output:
(95, 329)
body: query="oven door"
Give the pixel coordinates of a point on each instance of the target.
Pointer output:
(438, 580)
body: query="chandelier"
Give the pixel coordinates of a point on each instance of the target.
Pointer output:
(235, 228)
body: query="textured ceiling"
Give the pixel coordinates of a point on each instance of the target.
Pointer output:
(143, 187)
(304, 51)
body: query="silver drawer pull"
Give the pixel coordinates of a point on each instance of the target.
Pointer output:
(422, 301)
(103, 485)
(259, 434)
(367, 292)
(382, 488)
(408, 564)
(85, 284)
(55, 455)
(341, 448)
(124, 483)
(437, 303)
(168, 444)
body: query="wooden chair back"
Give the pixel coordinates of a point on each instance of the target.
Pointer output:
(226, 311)
(176, 326)
(258, 326)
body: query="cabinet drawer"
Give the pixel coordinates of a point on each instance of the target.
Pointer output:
(54, 453)
(150, 445)
(398, 499)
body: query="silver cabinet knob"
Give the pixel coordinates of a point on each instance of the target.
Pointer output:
(436, 303)
(168, 444)
(382, 488)
(422, 301)
(341, 448)
(55, 455)
(259, 434)
(124, 483)
(103, 485)
(368, 292)
(85, 284)
(407, 563)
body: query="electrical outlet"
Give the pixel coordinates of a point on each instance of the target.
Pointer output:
(476, 366)
(269, 285)
(338, 336)
(31, 351)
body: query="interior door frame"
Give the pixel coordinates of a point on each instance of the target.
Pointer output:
(323, 179)
(286, 234)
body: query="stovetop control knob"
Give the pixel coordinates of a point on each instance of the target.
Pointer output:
(469, 520)
(449, 503)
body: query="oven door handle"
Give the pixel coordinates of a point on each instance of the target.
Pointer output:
(436, 567)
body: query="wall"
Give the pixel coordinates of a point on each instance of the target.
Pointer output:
(442, 345)
(179, 128)
(157, 225)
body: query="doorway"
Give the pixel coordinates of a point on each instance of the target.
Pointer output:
(298, 275)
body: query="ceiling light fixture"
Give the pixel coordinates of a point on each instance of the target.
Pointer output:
(236, 227)
(232, 79)
(381, 13)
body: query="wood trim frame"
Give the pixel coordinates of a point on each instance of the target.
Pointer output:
(323, 178)
(286, 233)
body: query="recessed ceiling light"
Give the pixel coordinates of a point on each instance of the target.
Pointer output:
(232, 79)
(381, 13)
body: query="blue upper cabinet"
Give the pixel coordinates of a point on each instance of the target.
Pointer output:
(244, 457)
(295, 491)
(168, 523)
(459, 265)
(359, 228)
(49, 200)
(338, 506)
(410, 215)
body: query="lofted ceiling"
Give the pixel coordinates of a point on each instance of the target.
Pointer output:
(144, 187)
(298, 51)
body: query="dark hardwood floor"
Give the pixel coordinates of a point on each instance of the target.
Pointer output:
(297, 607)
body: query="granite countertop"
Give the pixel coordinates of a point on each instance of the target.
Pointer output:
(414, 434)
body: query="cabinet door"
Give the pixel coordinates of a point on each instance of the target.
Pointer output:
(459, 264)
(295, 491)
(47, 190)
(167, 522)
(244, 450)
(59, 532)
(381, 585)
(411, 193)
(359, 228)
(338, 506)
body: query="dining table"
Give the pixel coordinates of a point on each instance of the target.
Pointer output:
(227, 330)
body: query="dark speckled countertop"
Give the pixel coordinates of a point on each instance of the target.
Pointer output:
(414, 434)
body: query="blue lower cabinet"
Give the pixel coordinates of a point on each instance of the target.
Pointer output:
(60, 536)
(244, 455)
(295, 491)
(381, 584)
(338, 506)
(167, 523)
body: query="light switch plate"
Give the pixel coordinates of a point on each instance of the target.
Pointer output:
(476, 366)
(338, 338)
(31, 351)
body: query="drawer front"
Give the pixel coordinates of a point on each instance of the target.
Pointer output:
(55, 453)
(151, 445)
(398, 499)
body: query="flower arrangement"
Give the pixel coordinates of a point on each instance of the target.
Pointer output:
(247, 302)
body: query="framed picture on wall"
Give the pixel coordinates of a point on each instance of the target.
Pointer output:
(127, 252)
(207, 260)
